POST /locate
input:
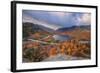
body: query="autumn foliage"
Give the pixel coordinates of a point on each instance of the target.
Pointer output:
(36, 51)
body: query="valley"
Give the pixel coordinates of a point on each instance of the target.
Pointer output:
(42, 44)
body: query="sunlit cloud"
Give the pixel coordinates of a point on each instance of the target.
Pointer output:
(84, 19)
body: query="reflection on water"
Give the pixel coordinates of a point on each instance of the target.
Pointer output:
(61, 37)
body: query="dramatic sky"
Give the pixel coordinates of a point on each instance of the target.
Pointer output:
(58, 19)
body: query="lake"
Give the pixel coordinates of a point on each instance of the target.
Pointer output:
(61, 37)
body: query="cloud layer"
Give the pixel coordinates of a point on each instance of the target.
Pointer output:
(61, 19)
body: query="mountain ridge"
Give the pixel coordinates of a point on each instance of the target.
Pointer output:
(88, 27)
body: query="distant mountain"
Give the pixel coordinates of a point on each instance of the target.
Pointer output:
(32, 27)
(87, 27)
(28, 29)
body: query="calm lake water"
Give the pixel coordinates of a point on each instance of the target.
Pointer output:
(61, 37)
